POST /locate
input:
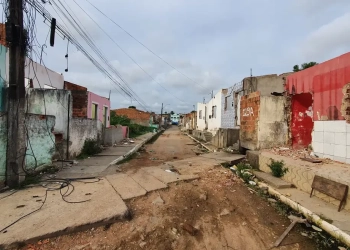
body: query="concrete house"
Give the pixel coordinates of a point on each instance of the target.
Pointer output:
(264, 112)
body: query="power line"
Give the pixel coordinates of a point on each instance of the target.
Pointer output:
(126, 53)
(144, 45)
(66, 34)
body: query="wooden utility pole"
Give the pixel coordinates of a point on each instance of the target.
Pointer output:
(16, 132)
(161, 115)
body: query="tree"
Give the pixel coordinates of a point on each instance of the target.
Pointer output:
(132, 107)
(304, 66)
(172, 112)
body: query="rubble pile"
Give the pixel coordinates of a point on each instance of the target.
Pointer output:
(293, 153)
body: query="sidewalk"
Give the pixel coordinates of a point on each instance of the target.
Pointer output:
(46, 211)
(105, 162)
(301, 174)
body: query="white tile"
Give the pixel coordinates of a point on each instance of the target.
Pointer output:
(348, 138)
(340, 151)
(347, 151)
(328, 137)
(340, 159)
(328, 149)
(328, 157)
(340, 138)
(317, 147)
(317, 136)
(347, 125)
(335, 126)
(348, 160)
(318, 126)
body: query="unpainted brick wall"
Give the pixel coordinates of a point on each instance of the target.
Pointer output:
(72, 86)
(80, 99)
(250, 107)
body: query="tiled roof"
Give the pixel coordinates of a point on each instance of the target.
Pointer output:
(133, 114)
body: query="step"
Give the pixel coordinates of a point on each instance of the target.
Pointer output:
(271, 180)
(125, 186)
(147, 181)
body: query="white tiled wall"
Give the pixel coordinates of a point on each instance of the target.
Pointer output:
(331, 139)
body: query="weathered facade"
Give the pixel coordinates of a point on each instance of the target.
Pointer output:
(264, 122)
(321, 115)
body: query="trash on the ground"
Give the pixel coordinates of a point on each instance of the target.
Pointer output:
(88, 194)
(20, 206)
(271, 200)
(158, 201)
(75, 162)
(169, 171)
(252, 183)
(283, 148)
(316, 228)
(295, 220)
(304, 234)
(225, 212)
(189, 228)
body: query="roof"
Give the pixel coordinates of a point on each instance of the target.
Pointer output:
(133, 114)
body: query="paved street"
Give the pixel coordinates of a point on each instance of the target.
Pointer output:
(179, 199)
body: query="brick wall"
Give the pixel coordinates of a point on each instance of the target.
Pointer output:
(80, 103)
(80, 99)
(3, 35)
(249, 112)
(72, 86)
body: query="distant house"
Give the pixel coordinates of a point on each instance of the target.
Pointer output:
(89, 105)
(136, 116)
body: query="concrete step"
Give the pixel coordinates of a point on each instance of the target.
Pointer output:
(271, 180)
(147, 181)
(167, 177)
(125, 186)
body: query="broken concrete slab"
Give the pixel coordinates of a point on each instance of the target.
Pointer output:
(167, 177)
(271, 180)
(253, 158)
(126, 186)
(147, 181)
(57, 217)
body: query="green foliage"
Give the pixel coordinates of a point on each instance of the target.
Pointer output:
(277, 168)
(304, 66)
(132, 107)
(134, 129)
(172, 112)
(91, 147)
(242, 171)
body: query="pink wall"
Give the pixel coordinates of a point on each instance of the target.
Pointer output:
(102, 102)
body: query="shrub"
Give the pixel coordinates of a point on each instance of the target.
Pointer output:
(242, 171)
(277, 168)
(91, 147)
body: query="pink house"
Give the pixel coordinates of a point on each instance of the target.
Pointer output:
(89, 105)
(99, 108)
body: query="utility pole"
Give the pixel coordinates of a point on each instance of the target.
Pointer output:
(161, 115)
(16, 137)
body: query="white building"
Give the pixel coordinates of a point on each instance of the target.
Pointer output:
(222, 111)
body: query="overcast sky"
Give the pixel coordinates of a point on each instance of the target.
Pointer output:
(213, 42)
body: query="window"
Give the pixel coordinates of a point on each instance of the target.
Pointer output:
(200, 114)
(226, 99)
(105, 115)
(94, 109)
(213, 112)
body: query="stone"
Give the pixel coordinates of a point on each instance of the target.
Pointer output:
(158, 201)
(316, 228)
(244, 223)
(271, 200)
(304, 234)
(142, 244)
(203, 196)
(252, 183)
(288, 194)
(174, 230)
(225, 212)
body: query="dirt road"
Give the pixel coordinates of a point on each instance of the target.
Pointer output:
(218, 209)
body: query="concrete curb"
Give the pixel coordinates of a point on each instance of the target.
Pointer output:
(135, 149)
(210, 150)
(329, 228)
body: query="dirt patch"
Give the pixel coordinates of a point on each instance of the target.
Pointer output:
(224, 213)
